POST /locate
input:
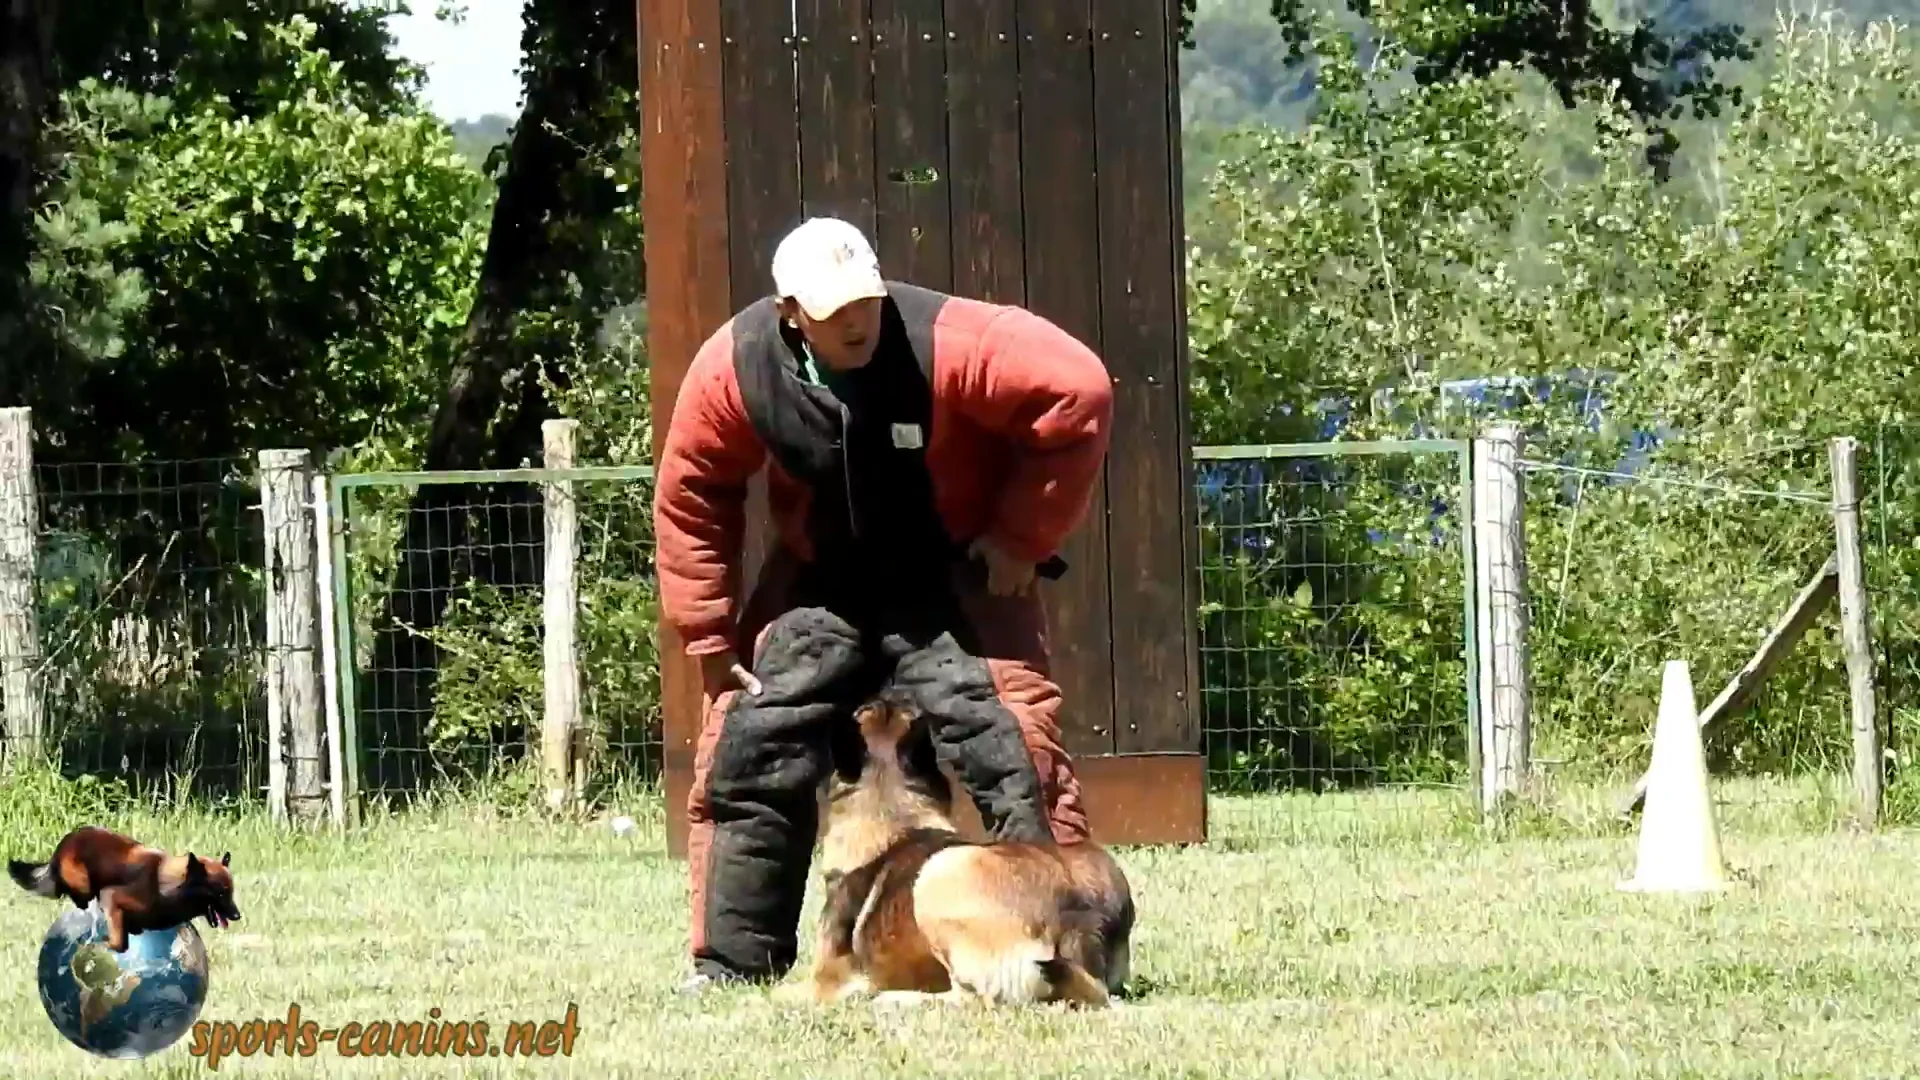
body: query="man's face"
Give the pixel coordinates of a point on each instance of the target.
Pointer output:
(844, 340)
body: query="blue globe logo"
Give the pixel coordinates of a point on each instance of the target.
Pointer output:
(121, 1005)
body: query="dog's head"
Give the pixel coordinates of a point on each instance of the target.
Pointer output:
(210, 884)
(884, 783)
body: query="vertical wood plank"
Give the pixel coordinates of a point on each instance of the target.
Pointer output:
(983, 150)
(912, 230)
(836, 111)
(306, 714)
(684, 204)
(762, 140)
(1499, 513)
(1142, 342)
(1189, 494)
(762, 132)
(325, 596)
(1062, 256)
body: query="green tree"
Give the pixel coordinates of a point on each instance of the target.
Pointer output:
(563, 251)
(226, 281)
(189, 52)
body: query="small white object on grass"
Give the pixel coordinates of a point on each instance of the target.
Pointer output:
(623, 825)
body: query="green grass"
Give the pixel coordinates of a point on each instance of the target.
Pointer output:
(1342, 936)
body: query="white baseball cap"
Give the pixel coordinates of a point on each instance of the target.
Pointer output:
(825, 264)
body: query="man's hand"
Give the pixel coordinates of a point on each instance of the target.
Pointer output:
(1006, 575)
(723, 671)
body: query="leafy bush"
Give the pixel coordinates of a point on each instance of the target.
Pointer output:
(490, 699)
(1331, 621)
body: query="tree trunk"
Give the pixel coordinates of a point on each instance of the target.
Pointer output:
(26, 63)
(544, 232)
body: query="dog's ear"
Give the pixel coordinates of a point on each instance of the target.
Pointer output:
(195, 870)
(884, 723)
(226, 858)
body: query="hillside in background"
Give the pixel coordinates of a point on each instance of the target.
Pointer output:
(475, 138)
(1236, 74)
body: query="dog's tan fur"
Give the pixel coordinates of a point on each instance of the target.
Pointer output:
(916, 912)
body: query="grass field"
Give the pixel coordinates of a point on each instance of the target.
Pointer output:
(1349, 937)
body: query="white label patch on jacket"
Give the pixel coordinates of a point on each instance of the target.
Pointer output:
(907, 436)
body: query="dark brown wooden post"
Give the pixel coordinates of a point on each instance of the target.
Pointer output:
(1020, 151)
(1063, 283)
(683, 200)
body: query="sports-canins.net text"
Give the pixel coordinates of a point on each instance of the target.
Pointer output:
(297, 1036)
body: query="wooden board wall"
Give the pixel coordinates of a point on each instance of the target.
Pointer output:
(1020, 151)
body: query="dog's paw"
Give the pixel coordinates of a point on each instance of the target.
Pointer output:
(908, 999)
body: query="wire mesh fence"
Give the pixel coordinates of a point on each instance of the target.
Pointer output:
(446, 585)
(1890, 524)
(1333, 630)
(1333, 626)
(1333, 623)
(147, 643)
(1628, 567)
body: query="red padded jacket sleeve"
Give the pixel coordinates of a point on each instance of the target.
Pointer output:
(1045, 391)
(699, 502)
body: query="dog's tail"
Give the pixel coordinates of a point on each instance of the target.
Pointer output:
(36, 878)
(1020, 973)
(1031, 972)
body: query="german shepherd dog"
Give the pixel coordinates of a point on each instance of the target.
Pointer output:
(140, 888)
(915, 912)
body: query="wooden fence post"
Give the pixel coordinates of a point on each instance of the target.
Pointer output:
(25, 722)
(294, 766)
(1868, 760)
(562, 664)
(1499, 513)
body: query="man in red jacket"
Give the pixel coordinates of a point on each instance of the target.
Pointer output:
(926, 456)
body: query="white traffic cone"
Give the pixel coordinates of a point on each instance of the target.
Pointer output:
(1679, 839)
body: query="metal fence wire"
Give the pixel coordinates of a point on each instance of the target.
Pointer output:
(1629, 569)
(149, 606)
(1337, 652)
(1890, 528)
(444, 577)
(1333, 620)
(1332, 624)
